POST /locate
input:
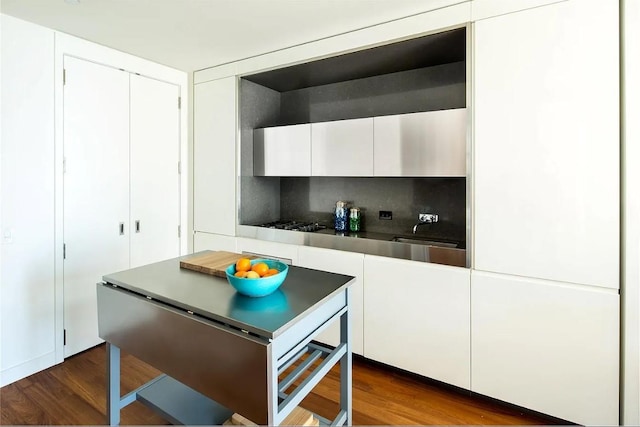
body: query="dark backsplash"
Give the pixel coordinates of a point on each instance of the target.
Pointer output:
(313, 199)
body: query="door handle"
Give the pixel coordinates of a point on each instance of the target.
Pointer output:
(137, 226)
(121, 228)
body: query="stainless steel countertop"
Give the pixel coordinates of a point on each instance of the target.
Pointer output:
(380, 244)
(214, 298)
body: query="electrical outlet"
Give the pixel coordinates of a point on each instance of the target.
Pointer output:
(386, 215)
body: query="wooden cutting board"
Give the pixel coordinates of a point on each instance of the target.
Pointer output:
(214, 263)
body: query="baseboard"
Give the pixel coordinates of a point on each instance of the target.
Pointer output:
(23, 370)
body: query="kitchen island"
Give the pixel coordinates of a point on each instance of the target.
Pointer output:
(222, 352)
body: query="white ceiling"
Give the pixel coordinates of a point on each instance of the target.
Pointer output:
(195, 34)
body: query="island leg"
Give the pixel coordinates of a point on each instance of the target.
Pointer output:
(346, 365)
(113, 384)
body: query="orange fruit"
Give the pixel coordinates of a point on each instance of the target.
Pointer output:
(240, 274)
(271, 272)
(252, 275)
(261, 268)
(243, 264)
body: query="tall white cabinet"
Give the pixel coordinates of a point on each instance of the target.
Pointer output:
(546, 143)
(214, 157)
(121, 183)
(544, 290)
(27, 251)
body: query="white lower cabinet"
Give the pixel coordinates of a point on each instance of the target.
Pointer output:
(547, 346)
(213, 242)
(416, 317)
(286, 252)
(349, 263)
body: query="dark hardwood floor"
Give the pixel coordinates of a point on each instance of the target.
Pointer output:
(73, 393)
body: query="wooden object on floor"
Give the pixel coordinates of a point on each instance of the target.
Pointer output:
(74, 393)
(298, 417)
(214, 263)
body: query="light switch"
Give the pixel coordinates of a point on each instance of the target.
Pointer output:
(7, 236)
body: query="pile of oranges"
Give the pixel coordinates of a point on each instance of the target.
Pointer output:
(256, 271)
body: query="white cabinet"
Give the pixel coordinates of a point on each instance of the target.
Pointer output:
(432, 143)
(417, 317)
(214, 156)
(482, 9)
(96, 191)
(342, 148)
(546, 346)
(121, 183)
(282, 151)
(213, 242)
(27, 298)
(154, 132)
(546, 171)
(283, 251)
(348, 263)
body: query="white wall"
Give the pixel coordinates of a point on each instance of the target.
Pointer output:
(631, 213)
(31, 292)
(27, 152)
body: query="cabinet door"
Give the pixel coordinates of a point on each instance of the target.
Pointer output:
(421, 144)
(547, 143)
(213, 242)
(342, 148)
(416, 317)
(546, 346)
(283, 251)
(282, 151)
(214, 157)
(96, 191)
(342, 263)
(155, 182)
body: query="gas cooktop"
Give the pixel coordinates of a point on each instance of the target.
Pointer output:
(293, 225)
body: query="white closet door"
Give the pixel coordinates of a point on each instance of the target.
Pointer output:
(96, 191)
(155, 182)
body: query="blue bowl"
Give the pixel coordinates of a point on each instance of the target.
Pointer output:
(258, 287)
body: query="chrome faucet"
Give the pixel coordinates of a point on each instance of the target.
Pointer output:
(425, 218)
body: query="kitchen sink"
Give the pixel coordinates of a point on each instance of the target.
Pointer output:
(419, 241)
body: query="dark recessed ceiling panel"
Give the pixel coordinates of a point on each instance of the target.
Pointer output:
(428, 51)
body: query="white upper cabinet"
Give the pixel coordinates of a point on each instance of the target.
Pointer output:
(546, 346)
(482, 9)
(214, 156)
(282, 151)
(546, 146)
(433, 143)
(342, 148)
